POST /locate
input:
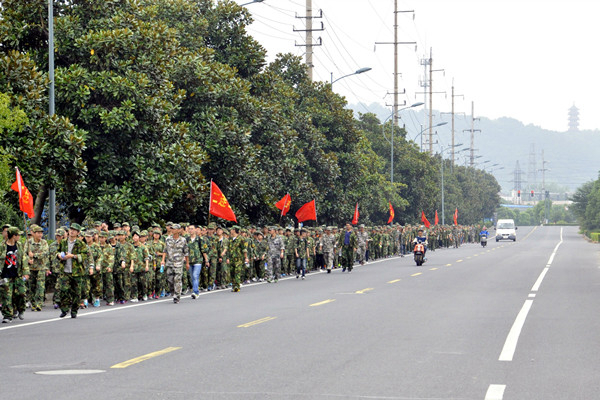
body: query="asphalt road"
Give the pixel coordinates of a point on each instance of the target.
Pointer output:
(511, 321)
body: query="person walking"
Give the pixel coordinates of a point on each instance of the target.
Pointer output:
(73, 254)
(176, 255)
(348, 244)
(15, 272)
(276, 253)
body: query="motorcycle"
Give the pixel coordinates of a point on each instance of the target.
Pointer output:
(483, 241)
(419, 252)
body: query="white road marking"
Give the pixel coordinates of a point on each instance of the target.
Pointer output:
(508, 351)
(531, 295)
(71, 372)
(495, 392)
(537, 284)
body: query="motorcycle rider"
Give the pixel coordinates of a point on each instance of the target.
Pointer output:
(421, 238)
(483, 234)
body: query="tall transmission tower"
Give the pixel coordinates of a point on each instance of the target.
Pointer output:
(396, 43)
(427, 85)
(473, 130)
(309, 35)
(518, 180)
(532, 169)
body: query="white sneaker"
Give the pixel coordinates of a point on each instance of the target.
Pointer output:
(194, 296)
(134, 300)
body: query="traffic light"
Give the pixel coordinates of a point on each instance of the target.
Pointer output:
(532, 193)
(518, 193)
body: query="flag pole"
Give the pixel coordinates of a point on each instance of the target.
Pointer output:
(209, 200)
(316, 217)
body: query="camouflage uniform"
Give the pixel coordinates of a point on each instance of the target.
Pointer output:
(276, 247)
(222, 267)
(261, 252)
(141, 260)
(12, 293)
(362, 239)
(71, 275)
(52, 280)
(38, 268)
(348, 250)
(328, 243)
(237, 252)
(289, 256)
(123, 257)
(107, 261)
(159, 286)
(176, 252)
(96, 278)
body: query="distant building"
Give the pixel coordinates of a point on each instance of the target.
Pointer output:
(573, 119)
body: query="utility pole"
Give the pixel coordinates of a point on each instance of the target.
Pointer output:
(309, 36)
(396, 43)
(452, 114)
(51, 192)
(545, 193)
(517, 181)
(472, 130)
(532, 169)
(428, 83)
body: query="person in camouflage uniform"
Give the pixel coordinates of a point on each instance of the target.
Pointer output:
(237, 255)
(36, 255)
(213, 255)
(139, 268)
(290, 257)
(348, 243)
(156, 249)
(261, 251)
(302, 253)
(328, 243)
(15, 270)
(176, 255)
(196, 259)
(73, 254)
(106, 262)
(55, 266)
(222, 242)
(362, 237)
(94, 268)
(276, 252)
(123, 261)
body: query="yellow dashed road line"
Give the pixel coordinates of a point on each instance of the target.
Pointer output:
(322, 302)
(148, 356)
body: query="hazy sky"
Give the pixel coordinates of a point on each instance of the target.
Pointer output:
(525, 59)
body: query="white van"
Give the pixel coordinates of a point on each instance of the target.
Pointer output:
(506, 229)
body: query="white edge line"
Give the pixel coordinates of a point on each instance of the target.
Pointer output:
(495, 392)
(512, 339)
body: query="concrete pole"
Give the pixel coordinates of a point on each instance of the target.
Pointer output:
(52, 192)
(309, 39)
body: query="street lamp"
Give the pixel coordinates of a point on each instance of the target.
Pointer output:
(251, 2)
(357, 72)
(392, 138)
(442, 162)
(423, 130)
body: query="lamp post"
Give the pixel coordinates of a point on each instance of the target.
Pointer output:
(423, 130)
(442, 162)
(392, 137)
(51, 192)
(357, 72)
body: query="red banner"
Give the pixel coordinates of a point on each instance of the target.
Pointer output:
(456, 216)
(25, 198)
(307, 212)
(355, 217)
(391, 214)
(219, 206)
(284, 204)
(424, 220)
(436, 220)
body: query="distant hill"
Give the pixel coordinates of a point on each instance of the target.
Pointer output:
(572, 158)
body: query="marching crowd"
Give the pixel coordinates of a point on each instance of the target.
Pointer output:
(127, 264)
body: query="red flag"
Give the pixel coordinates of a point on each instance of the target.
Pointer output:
(424, 219)
(284, 204)
(456, 216)
(219, 207)
(437, 220)
(391, 214)
(355, 217)
(307, 212)
(25, 198)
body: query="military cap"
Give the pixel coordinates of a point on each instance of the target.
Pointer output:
(89, 232)
(125, 224)
(175, 226)
(144, 232)
(36, 228)
(169, 223)
(5, 226)
(97, 223)
(103, 234)
(361, 226)
(75, 226)
(21, 233)
(60, 232)
(159, 231)
(13, 230)
(136, 232)
(155, 225)
(116, 225)
(135, 228)
(225, 231)
(184, 224)
(236, 227)
(212, 225)
(121, 232)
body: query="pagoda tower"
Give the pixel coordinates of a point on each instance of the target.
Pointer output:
(573, 119)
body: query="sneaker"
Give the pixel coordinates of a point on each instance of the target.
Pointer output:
(328, 271)
(121, 301)
(97, 303)
(162, 294)
(134, 300)
(85, 303)
(73, 315)
(175, 300)
(144, 298)
(194, 296)
(63, 314)
(297, 276)
(235, 289)
(111, 303)
(28, 305)
(303, 277)
(276, 280)
(344, 269)
(6, 320)
(55, 306)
